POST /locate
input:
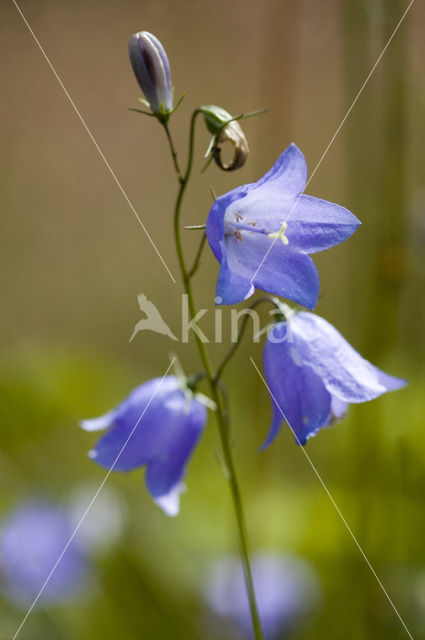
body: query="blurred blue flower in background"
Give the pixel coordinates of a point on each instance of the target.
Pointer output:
(31, 541)
(158, 426)
(313, 373)
(262, 234)
(152, 70)
(287, 589)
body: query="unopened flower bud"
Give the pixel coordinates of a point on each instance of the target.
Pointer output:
(216, 119)
(152, 71)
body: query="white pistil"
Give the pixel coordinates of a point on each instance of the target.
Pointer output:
(280, 234)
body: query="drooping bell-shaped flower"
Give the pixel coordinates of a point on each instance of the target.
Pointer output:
(262, 234)
(286, 588)
(152, 71)
(33, 538)
(313, 373)
(157, 426)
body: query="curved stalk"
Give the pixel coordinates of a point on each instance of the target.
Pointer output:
(194, 268)
(173, 152)
(229, 355)
(213, 385)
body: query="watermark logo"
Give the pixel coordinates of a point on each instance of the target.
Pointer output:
(155, 322)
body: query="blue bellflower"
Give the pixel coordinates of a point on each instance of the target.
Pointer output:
(286, 587)
(170, 421)
(262, 234)
(152, 71)
(313, 373)
(32, 539)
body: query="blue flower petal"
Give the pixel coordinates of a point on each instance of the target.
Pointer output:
(344, 372)
(215, 221)
(166, 426)
(166, 470)
(338, 408)
(233, 286)
(390, 383)
(284, 271)
(291, 275)
(32, 538)
(170, 502)
(275, 426)
(140, 408)
(98, 424)
(313, 373)
(287, 590)
(262, 233)
(297, 392)
(288, 174)
(118, 451)
(316, 224)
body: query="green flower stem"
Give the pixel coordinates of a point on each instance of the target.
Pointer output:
(173, 153)
(229, 355)
(213, 383)
(194, 268)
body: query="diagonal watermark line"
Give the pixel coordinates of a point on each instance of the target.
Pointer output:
(341, 124)
(347, 526)
(83, 517)
(111, 171)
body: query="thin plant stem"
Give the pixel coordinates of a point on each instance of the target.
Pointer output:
(197, 259)
(213, 385)
(229, 355)
(173, 153)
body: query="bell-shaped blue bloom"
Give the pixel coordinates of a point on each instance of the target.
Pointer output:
(152, 71)
(286, 587)
(313, 373)
(262, 234)
(158, 426)
(32, 539)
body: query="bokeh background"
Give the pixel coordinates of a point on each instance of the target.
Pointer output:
(74, 258)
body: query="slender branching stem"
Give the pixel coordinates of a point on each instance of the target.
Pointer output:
(229, 355)
(212, 382)
(173, 153)
(197, 259)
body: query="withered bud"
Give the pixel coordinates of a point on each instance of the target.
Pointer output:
(232, 133)
(224, 129)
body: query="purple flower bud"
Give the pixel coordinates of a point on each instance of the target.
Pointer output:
(152, 71)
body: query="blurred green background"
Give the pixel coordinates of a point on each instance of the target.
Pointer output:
(74, 258)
